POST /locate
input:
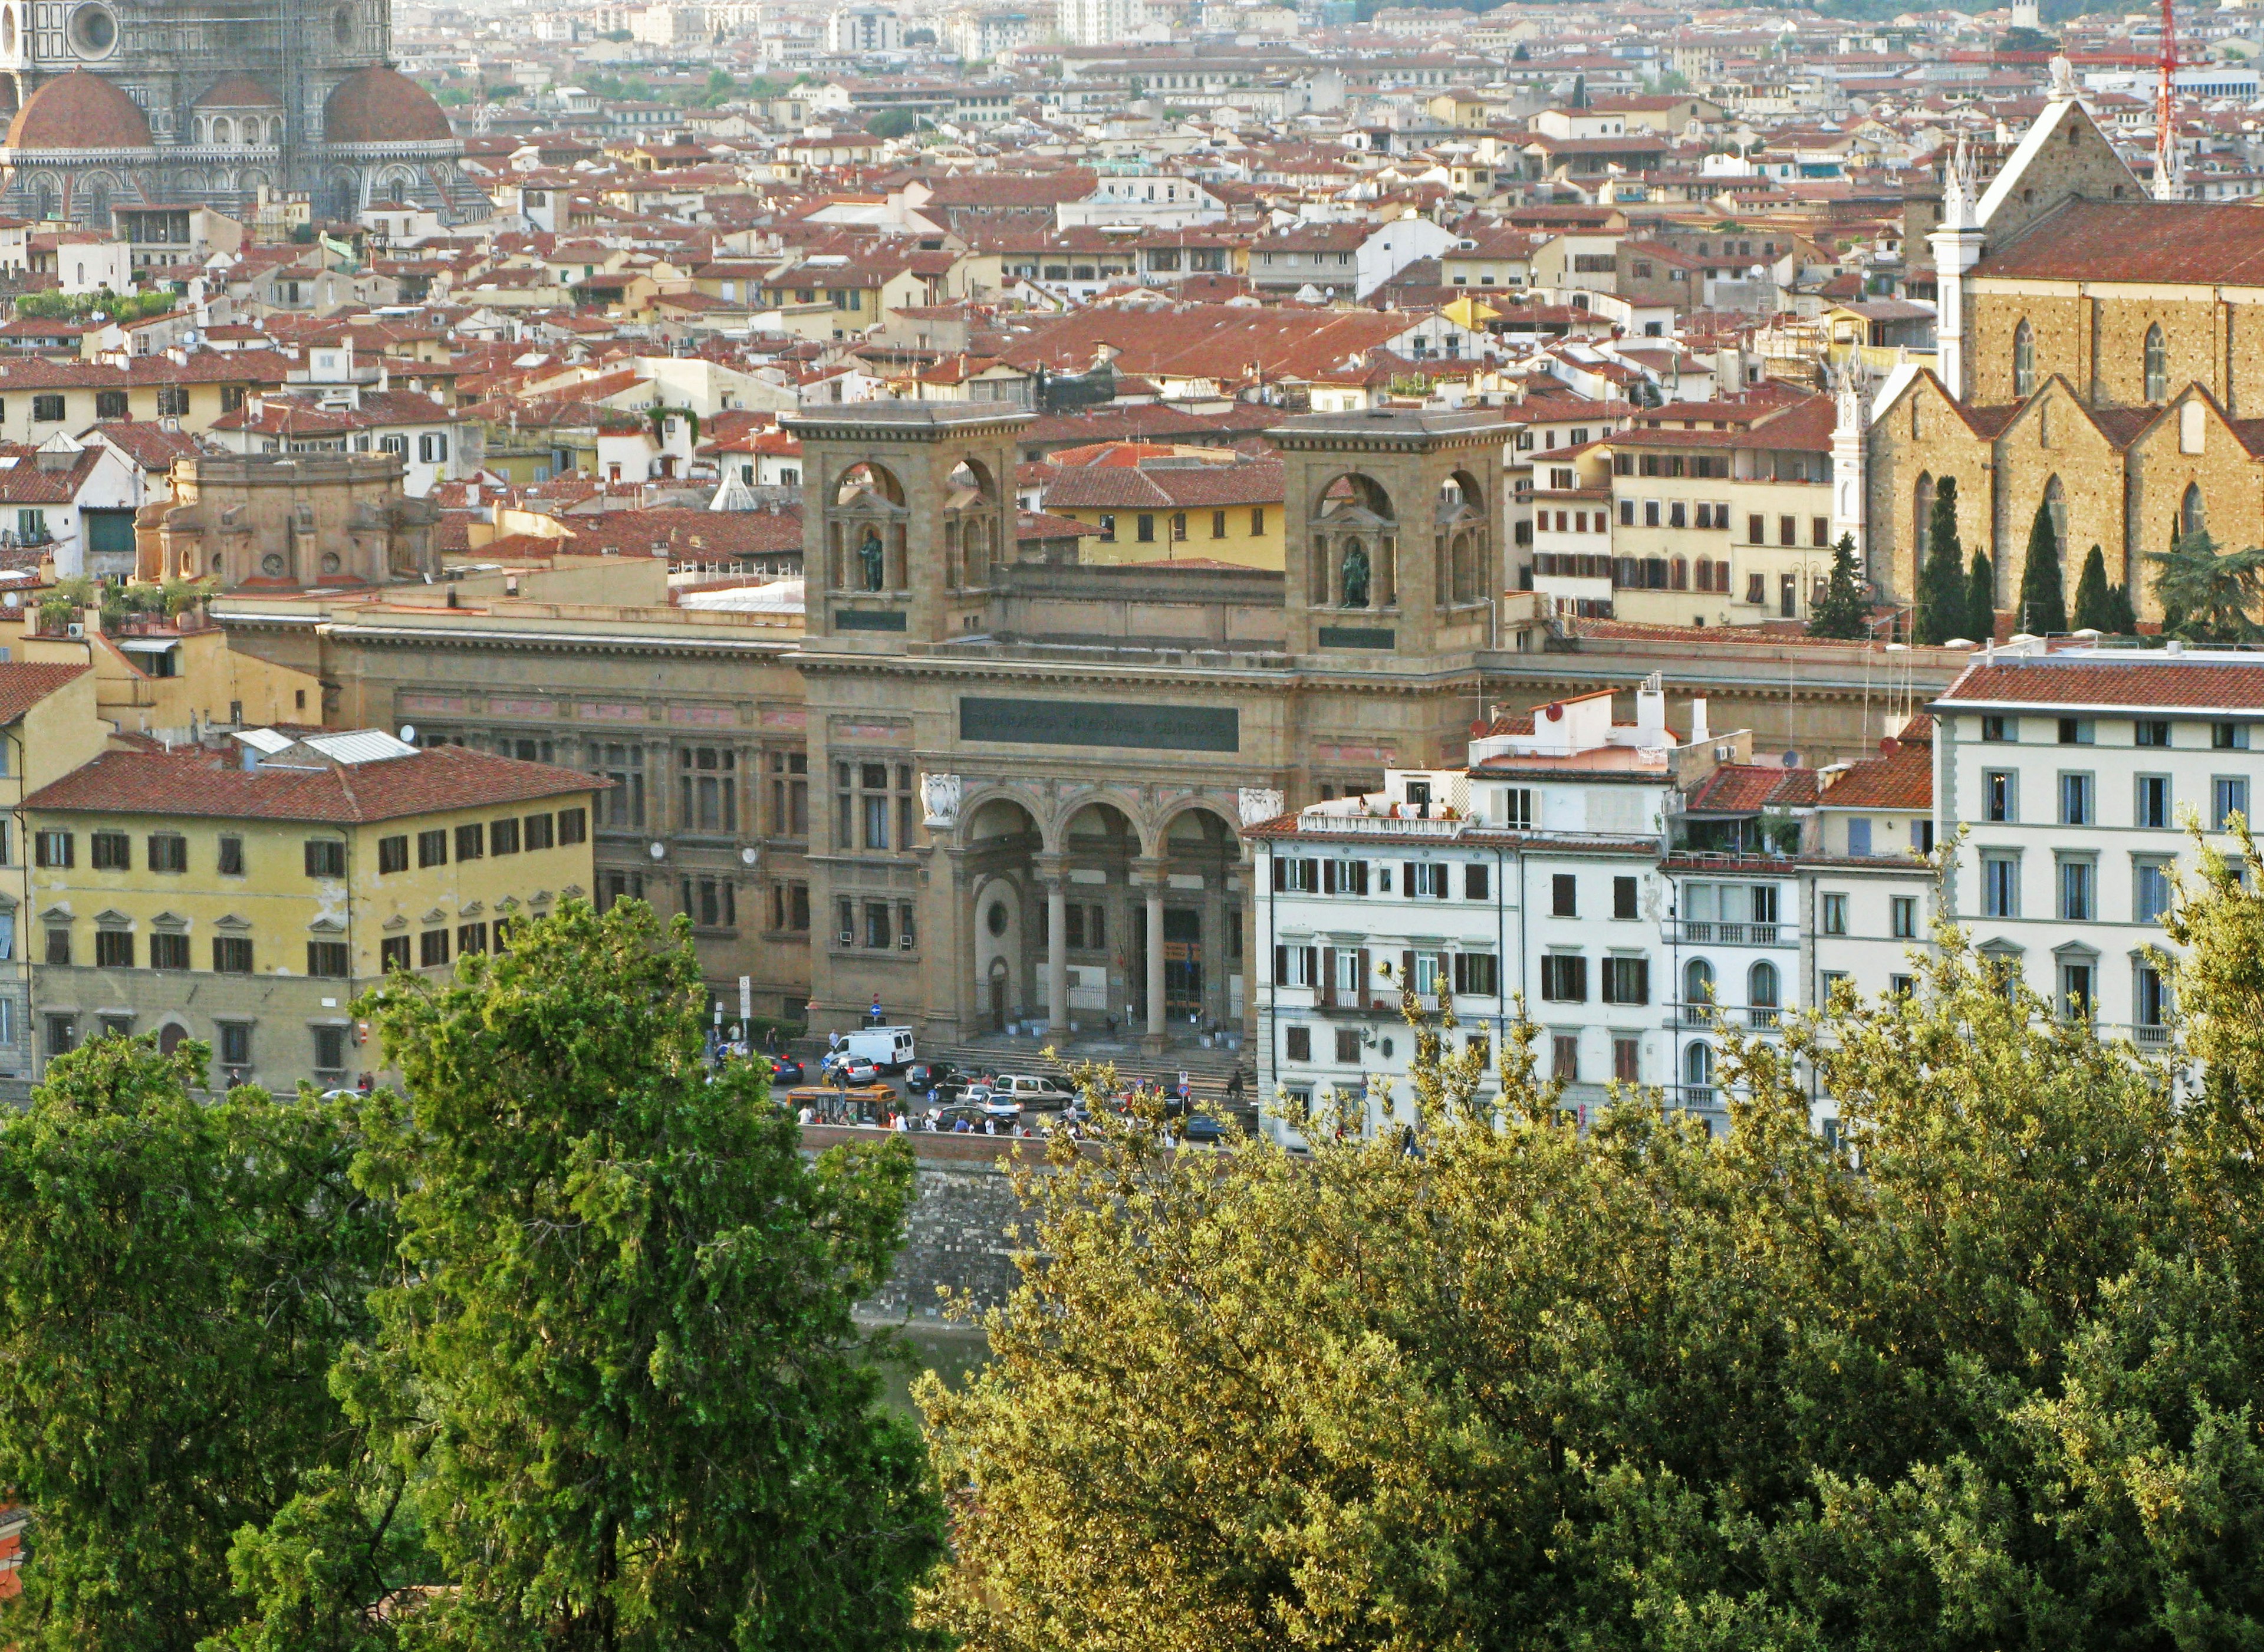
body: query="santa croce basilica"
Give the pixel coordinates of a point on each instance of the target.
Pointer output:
(118, 103)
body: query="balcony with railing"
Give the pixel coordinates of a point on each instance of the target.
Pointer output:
(1715, 932)
(1715, 1018)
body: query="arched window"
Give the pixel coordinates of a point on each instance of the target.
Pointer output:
(2024, 359)
(1698, 988)
(1698, 1070)
(2191, 518)
(1760, 994)
(2055, 502)
(1922, 522)
(2158, 366)
(1679, 574)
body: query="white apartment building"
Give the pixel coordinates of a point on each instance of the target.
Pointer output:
(1101, 22)
(1543, 871)
(2074, 774)
(1644, 893)
(862, 31)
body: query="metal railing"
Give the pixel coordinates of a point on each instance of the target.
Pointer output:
(1712, 932)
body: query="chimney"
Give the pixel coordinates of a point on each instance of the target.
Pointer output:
(1699, 733)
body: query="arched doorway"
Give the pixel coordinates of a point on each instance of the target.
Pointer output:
(1089, 885)
(1002, 841)
(1197, 944)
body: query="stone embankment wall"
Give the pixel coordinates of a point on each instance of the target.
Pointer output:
(961, 1234)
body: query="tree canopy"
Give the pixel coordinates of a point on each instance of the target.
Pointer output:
(2207, 596)
(554, 1350)
(1981, 1371)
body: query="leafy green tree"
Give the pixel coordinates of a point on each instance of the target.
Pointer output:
(1843, 610)
(1980, 599)
(1579, 98)
(2042, 610)
(176, 1276)
(2094, 597)
(893, 123)
(2207, 596)
(617, 1375)
(1608, 1383)
(1939, 613)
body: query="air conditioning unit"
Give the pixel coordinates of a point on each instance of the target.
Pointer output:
(75, 630)
(905, 942)
(847, 939)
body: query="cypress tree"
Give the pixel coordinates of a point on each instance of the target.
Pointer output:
(2042, 608)
(2094, 600)
(1843, 609)
(2126, 620)
(1939, 613)
(1981, 599)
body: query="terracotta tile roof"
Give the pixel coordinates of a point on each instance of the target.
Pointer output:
(1743, 788)
(23, 686)
(1901, 778)
(2161, 681)
(2184, 242)
(205, 783)
(1120, 487)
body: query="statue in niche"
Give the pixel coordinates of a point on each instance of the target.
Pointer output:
(874, 559)
(1352, 575)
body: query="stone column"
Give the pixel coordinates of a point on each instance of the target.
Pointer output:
(1149, 876)
(1053, 872)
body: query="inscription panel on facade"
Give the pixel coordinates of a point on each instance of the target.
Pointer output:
(1074, 723)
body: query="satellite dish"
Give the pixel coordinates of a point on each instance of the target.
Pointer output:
(1792, 759)
(409, 734)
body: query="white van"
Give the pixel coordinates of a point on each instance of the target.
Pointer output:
(890, 1048)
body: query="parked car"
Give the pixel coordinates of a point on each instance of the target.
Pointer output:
(862, 1070)
(975, 1117)
(1202, 1130)
(1034, 1089)
(922, 1076)
(787, 1070)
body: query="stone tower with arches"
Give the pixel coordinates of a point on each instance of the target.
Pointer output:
(1393, 530)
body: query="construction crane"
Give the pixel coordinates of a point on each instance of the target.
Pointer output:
(2168, 181)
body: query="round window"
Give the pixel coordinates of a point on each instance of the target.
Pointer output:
(271, 564)
(331, 564)
(342, 24)
(219, 562)
(8, 31)
(995, 919)
(93, 31)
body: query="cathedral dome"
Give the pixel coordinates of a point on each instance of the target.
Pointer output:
(239, 91)
(380, 105)
(78, 110)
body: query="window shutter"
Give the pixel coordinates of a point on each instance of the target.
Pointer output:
(1406, 971)
(1579, 972)
(1328, 976)
(1280, 955)
(1462, 974)
(1312, 957)
(1409, 887)
(1328, 877)
(1359, 877)
(1281, 875)
(1611, 981)
(1444, 877)
(1361, 995)
(1642, 980)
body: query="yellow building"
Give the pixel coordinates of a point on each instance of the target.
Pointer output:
(1150, 504)
(159, 675)
(246, 896)
(49, 726)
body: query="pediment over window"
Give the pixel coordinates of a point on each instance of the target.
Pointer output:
(232, 925)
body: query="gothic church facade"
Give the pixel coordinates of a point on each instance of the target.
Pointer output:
(2100, 355)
